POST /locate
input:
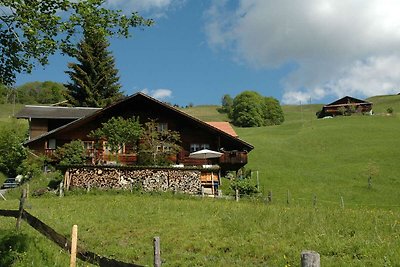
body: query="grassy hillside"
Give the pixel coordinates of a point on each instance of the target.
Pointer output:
(8, 110)
(328, 158)
(206, 113)
(305, 160)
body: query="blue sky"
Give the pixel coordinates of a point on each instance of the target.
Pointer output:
(294, 51)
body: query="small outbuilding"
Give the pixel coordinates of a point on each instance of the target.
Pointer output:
(345, 106)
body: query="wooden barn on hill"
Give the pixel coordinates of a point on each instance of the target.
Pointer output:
(345, 105)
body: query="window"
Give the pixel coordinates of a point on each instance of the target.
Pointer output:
(88, 145)
(163, 148)
(162, 126)
(107, 149)
(197, 147)
(51, 144)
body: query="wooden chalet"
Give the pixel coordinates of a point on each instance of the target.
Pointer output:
(195, 134)
(345, 105)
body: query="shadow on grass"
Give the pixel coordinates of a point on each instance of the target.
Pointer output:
(12, 245)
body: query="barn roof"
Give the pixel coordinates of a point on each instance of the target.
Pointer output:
(347, 100)
(131, 101)
(223, 126)
(52, 112)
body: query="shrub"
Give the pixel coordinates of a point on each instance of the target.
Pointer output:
(31, 166)
(12, 152)
(245, 186)
(389, 110)
(72, 153)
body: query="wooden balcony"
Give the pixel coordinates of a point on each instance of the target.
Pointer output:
(49, 152)
(233, 160)
(233, 157)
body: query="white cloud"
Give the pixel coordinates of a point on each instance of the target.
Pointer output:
(156, 8)
(338, 46)
(160, 94)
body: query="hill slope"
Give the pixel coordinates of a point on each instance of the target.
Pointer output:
(329, 158)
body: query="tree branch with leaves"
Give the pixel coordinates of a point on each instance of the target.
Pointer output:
(31, 31)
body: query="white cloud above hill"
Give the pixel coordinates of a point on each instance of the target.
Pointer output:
(338, 47)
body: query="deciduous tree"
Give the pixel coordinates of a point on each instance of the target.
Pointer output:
(250, 109)
(157, 144)
(31, 31)
(118, 132)
(12, 152)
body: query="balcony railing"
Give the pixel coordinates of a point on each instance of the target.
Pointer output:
(233, 157)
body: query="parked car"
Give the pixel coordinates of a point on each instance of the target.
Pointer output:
(9, 183)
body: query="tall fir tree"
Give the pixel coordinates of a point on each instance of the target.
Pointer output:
(94, 79)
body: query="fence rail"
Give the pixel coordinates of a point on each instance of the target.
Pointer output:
(62, 241)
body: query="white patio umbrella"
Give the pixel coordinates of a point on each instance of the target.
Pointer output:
(206, 154)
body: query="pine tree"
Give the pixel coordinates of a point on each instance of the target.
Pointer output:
(94, 79)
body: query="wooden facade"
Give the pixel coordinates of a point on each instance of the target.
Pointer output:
(195, 134)
(345, 105)
(43, 119)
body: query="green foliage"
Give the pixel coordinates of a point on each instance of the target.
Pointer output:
(31, 166)
(273, 113)
(119, 131)
(227, 103)
(72, 153)
(40, 93)
(245, 186)
(250, 109)
(157, 145)
(12, 152)
(389, 110)
(94, 79)
(31, 31)
(12, 247)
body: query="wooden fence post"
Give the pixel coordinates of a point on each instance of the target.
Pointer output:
(315, 201)
(310, 259)
(269, 197)
(288, 197)
(74, 243)
(21, 208)
(61, 189)
(237, 195)
(202, 191)
(157, 252)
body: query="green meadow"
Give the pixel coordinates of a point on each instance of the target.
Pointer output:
(334, 184)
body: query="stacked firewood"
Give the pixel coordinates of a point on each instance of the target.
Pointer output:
(186, 181)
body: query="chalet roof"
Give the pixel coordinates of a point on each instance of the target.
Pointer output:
(223, 126)
(131, 100)
(347, 100)
(52, 112)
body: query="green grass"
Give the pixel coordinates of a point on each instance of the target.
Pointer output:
(8, 110)
(382, 103)
(207, 232)
(206, 113)
(328, 159)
